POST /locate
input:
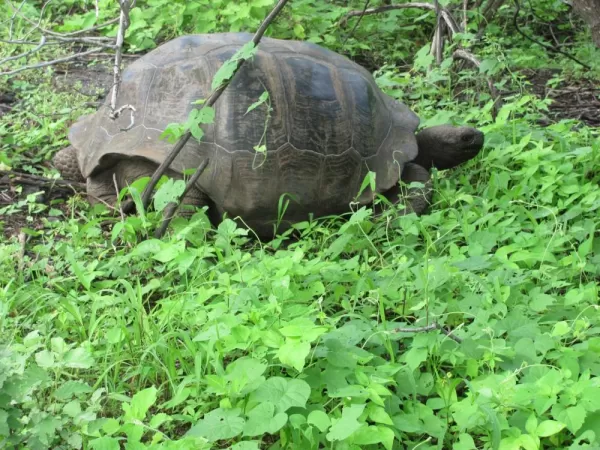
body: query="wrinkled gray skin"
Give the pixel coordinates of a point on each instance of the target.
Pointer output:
(329, 125)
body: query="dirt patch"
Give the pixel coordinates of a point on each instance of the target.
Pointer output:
(571, 99)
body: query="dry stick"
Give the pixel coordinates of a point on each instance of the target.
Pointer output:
(147, 194)
(433, 326)
(437, 46)
(22, 243)
(35, 180)
(465, 9)
(445, 13)
(25, 54)
(123, 25)
(170, 209)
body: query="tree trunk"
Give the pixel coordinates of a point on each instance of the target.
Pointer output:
(589, 11)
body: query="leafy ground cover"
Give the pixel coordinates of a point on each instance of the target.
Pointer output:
(210, 339)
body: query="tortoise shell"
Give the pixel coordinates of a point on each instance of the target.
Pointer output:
(329, 124)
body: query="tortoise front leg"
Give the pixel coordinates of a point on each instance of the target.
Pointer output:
(66, 163)
(106, 185)
(416, 199)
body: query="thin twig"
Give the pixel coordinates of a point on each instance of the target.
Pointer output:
(147, 194)
(171, 208)
(548, 47)
(349, 35)
(56, 61)
(445, 13)
(27, 53)
(431, 327)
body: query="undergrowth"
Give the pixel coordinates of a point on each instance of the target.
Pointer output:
(208, 338)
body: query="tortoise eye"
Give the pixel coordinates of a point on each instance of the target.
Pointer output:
(466, 138)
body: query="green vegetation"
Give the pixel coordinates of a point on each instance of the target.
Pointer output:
(209, 339)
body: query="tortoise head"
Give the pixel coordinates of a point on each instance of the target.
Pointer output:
(446, 146)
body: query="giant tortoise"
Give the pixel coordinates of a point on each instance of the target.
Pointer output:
(326, 124)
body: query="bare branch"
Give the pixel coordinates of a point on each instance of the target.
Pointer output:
(94, 28)
(56, 61)
(123, 25)
(25, 54)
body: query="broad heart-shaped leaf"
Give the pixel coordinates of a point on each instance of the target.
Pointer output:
(4, 428)
(549, 427)
(105, 443)
(293, 353)
(283, 393)
(368, 435)
(167, 193)
(140, 403)
(219, 424)
(226, 70)
(347, 424)
(573, 417)
(78, 358)
(320, 420)
(262, 419)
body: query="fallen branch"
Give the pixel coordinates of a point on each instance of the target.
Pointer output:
(147, 194)
(42, 182)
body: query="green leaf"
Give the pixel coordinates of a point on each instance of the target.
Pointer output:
(283, 393)
(293, 353)
(465, 442)
(319, 419)
(4, 428)
(378, 414)
(219, 424)
(78, 358)
(573, 417)
(549, 428)
(262, 419)
(262, 99)
(140, 404)
(415, 356)
(246, 445)
(105, 443)
(347, 424)
(44, 359)
(170, 191)
(561, 328)
(226, 71)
